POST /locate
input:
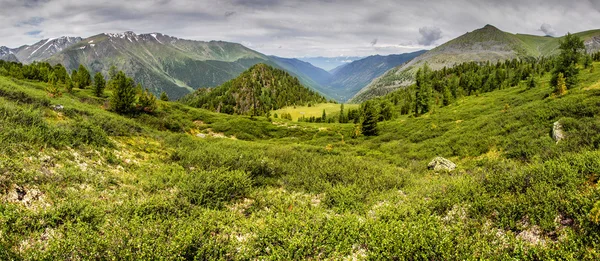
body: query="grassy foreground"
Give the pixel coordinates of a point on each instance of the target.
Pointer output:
(185, 184)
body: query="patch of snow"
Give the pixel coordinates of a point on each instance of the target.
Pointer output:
(91, 41)
(81, 48)
(154, 35)
(47, 41)
(92, 45)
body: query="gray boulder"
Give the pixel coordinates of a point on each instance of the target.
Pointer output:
(557, 132)
(441, 164)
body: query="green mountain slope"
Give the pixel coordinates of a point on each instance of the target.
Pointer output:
(257, 91)
(485, 44)
(347, 80)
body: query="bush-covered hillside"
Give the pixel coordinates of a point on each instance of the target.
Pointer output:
(78, 181)
(256, 91)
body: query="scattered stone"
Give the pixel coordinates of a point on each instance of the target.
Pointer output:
(57, 107)
(201, 135)
(441, 164)
(557, 132)
(533, 236)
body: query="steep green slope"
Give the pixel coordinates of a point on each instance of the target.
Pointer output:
(485, 44)
(257, 91)
(186, 183)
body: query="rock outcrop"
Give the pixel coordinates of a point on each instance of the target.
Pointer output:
(441, 164)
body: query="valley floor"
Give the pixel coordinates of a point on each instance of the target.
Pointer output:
(84, 183)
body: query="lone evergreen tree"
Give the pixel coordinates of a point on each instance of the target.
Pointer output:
(99, 84)
(369, 124)
(324, 116)
(164, 96)
(123, 94)
(342, 117)
(571, 49)
(423, 92)
(84, 78)
(74, 79)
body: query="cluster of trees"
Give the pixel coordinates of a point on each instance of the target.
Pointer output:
(285, 116)
(255, 92)
(322, 119)
(126, 97)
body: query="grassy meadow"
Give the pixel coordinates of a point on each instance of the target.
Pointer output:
(314, 110)
(83, 183)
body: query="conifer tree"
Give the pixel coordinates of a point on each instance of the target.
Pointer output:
(84, 78)
(69, 85)
(123, 98)
(99, 84)
(75, 79)
(571, 49)
(324, 116)
(342, 117)
(369, 124)
(561, 85)
(164, 96)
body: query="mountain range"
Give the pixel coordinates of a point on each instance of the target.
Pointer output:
(485, 44)
(178, 66)
(330, 63)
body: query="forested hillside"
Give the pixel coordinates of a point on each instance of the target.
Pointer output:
(256, 91)
(481, 45)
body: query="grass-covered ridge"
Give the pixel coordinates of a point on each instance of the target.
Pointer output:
(186, 183)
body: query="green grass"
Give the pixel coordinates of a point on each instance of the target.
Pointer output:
(103, 186)
(314, 110)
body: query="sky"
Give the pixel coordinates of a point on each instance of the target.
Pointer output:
(296, 28)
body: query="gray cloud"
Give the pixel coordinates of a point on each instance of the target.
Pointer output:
(374, 42)
(429, 35)
(547, 29)
(300, 27)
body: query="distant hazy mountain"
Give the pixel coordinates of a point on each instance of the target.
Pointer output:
(347, 80)
(485, 44)
(330, 63)
(306, 71)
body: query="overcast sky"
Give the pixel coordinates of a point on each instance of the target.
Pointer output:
(296, 28)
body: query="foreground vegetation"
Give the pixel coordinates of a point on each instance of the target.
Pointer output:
(79, 181)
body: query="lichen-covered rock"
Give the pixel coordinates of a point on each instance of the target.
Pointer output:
(557, 132)
(441, 164)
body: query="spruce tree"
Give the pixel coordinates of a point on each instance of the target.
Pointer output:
(84, 78)
(99, 84)
(369, 124)
(69, 85)
(123, 98)
(164, 96)
(571, 49)
(561, 85)
(324, 116)
(75, 79)
(342, 117)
